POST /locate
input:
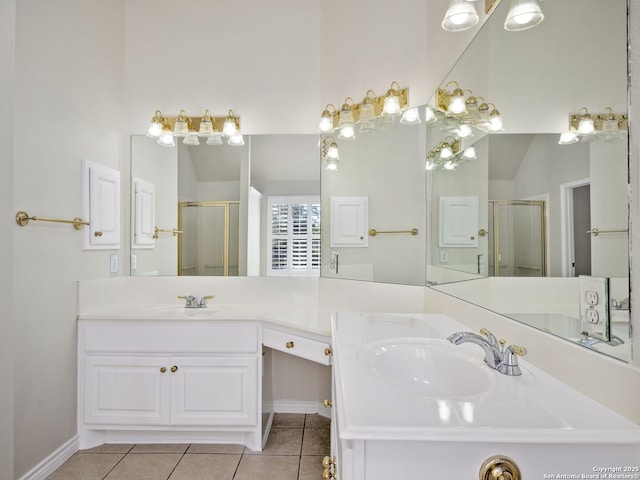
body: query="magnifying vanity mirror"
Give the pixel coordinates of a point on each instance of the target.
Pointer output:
(548, 245)
(198, 210)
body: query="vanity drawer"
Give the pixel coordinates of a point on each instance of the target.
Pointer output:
(314, 350)
(170, 338)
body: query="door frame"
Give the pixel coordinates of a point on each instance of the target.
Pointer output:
(566, 224)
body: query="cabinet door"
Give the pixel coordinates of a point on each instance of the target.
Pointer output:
(221, 391)
(349, 221)
(101, 190)
(123, 390)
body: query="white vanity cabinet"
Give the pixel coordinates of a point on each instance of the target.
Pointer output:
(170, 380)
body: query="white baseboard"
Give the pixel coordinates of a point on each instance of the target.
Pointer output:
(284, 406)
(53, 461)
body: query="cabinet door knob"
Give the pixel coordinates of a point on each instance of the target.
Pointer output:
(174, 369)
(289, 344)
(98, 233)
(327, 474)
(163, 369)
(327, 351)
(327, 462)
(327, 403)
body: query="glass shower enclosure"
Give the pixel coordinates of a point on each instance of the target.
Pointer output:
(517, 238)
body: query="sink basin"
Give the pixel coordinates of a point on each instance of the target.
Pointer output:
(431, 367)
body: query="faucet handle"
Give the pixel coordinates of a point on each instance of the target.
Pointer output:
(190, 301)
(203, 301)
(518, 350)
(490, 336)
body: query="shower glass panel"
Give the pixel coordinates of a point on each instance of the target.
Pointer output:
(209, 244)
(517, 238)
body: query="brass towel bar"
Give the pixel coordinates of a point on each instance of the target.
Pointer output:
(373, 232)
(157, 230)
(22, 219)
(595, 232)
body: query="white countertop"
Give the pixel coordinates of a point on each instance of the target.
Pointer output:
(533, 407)
(302, 318)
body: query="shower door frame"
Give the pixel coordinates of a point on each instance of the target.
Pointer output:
(222, 203)
(496, 238)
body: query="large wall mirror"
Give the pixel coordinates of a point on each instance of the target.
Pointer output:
(530, 228)
(205, 210)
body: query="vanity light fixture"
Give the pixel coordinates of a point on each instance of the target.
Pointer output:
(587, 127)
(180, 127)
(166, 137)
(327, 119)
(347, 119)
(155, 127)
(523, 14)
(367, 113)
(461, 15)
(373, 110)
(329, 149)
(391, 102)
(467, 110)
(447, 156)
(166, 129)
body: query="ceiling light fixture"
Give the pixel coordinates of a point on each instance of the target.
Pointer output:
(166, 129)
(523, 14)
(461, 15)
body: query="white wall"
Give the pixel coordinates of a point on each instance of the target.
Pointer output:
(260, 59)
(68, 89)
(7, 320)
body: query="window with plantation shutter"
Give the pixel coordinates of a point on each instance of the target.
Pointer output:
(294, 235)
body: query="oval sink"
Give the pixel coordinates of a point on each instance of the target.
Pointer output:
(431, 367)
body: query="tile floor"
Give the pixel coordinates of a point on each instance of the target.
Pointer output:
(294, 451)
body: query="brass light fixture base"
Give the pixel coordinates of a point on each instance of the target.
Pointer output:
(489, 4)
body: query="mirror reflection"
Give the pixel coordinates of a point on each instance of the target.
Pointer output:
(546, 207)
(210, 210)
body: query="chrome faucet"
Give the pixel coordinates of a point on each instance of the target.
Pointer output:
(192, 302)
(496, 355)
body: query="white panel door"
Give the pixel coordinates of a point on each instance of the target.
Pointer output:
(458, 222)
(349, 221)
(122, 390)
(220, 391)
(144, 210)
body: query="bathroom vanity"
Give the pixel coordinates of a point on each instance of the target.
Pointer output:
(164, 373)
(409, 404)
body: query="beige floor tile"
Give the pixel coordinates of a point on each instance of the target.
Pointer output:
(288, 420)
(311, 467)
(206, 467)
(268, 467)
(215, 448)
(317, 421)
(160, 448)
(316, 441)
(145, 466)
(110, 448)
(281, 441)
(86, 466)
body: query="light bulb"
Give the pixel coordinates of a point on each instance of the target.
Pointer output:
(567, 138)
(347, 132)
(522, 15)
(410, 116)
(461, 15)
(236, 140)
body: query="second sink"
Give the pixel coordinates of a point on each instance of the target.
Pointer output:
(431, 367)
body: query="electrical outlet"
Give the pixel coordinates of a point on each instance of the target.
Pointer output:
(134, 262)
(594, 306)
(113, 263)
(591, 297)
(481, 265)
(444, 256)
(333, 261)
